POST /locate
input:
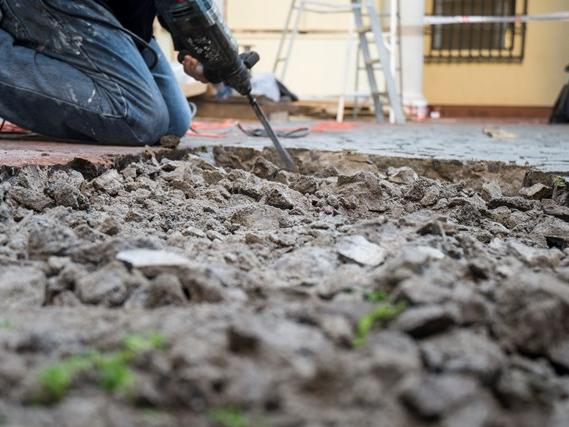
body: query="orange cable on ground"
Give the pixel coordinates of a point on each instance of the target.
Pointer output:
(333, 126)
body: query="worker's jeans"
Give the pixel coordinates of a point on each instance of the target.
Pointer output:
(77, 77)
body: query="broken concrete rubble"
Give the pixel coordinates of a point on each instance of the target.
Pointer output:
(537, 192)
(282, 298)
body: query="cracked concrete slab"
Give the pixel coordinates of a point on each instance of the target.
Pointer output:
(539, 146)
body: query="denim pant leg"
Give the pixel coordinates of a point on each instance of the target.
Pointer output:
(75, 77)
(176, 103)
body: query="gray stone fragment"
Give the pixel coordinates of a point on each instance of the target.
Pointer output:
(358, 249)
(558, 211)
(404, 175)
(100, 252)
(554, 231)
(21, 288)
(394, 356)
(110, 182)
(194, 232)
(473, 307)
(142, 258)
(249, 185)
(68, 195)
(66, 299)
(432, 196)
(537, 192)
(214, 235)
(432, 396)
(213, 284)
(164, 290)
(108, 286)
(30, 199)
(308, 265)
(481, 410)
(534, 313)
(419, 291)
(420, 322)
(305, 184)
(48, 237)
(264, 169)
(536, 257)
(283, 198)
(32, 177)
(110, 226)
(560, 414)
(338, 328)
(463, 351)
(432, 254)
(526, 383)
(491, 190)
(518, 203)
(258, 217)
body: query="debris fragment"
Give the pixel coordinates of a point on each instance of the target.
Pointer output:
(498, 133)
(279, 292)
(140, 258)
(360, 250)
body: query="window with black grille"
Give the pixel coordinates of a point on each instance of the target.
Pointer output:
(491, 42)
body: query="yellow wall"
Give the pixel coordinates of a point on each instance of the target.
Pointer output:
(317, 64)
(535, 82)
(318, 61)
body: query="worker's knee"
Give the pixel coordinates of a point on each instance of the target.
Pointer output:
(150, 126)
(180, 121)
(139, 128)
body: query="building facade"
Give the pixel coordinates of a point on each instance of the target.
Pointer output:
(467, 66)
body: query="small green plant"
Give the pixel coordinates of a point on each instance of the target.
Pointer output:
(114, 374)
(377, 296)
(383, 314)
(56, 380)
(5, 324)
(559, 182)
(137, 343)
(229, 417)
(112, 370)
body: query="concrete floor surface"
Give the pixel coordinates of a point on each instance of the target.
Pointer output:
(541, 146)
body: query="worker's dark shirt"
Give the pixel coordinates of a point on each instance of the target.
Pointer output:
(135, 15)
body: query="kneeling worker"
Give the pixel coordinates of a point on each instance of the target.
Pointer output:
(89, 70)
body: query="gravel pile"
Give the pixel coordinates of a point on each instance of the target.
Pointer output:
(177, 293)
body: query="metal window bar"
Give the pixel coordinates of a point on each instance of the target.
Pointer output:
(478, 42)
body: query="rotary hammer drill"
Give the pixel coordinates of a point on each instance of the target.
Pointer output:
(198, 29)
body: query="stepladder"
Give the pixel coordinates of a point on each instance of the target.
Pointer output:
(379, 57)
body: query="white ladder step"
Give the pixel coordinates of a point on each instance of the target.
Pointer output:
(369, 32)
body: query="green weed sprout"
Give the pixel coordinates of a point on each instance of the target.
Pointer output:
(5, 324)
(112, 370)
(559, 182)
(377, 296)
(114, 374)
(229, 417)
(382, 314)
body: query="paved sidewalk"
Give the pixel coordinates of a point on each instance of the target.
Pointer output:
(541, 146)
(22, 153)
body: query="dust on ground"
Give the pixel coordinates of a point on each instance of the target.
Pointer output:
(177, 293)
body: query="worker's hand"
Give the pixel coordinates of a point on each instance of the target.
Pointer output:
(194, 68)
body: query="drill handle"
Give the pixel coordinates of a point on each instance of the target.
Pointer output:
(250, 59)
